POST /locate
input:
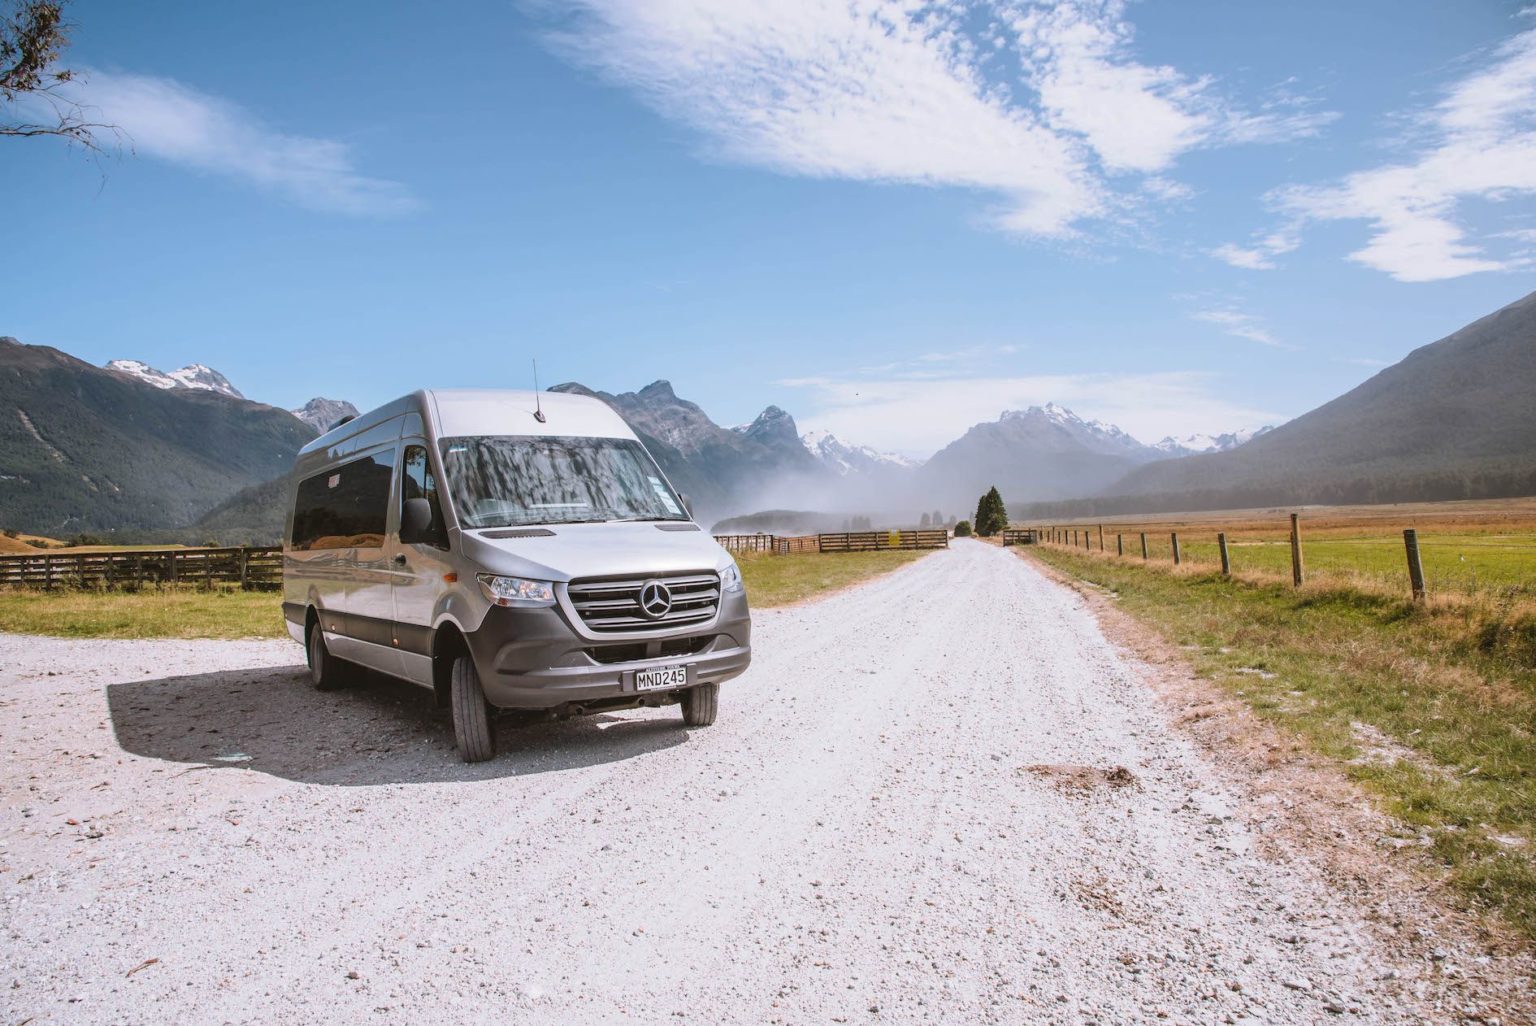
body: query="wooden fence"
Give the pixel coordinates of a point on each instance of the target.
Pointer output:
(872, 541)
(1017, 536)
(251, 569)
(749, 542)
(1083, 537)
(778, 544)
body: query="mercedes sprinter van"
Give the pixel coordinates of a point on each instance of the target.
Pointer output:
(509, 550)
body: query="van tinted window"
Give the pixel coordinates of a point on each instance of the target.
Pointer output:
(345, 506)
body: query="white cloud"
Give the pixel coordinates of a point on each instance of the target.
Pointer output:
(1260, 255)
(1240, 325)
(170, 121)
(917, 418)
(1480, 143)
(887, 91)
(1135, 116)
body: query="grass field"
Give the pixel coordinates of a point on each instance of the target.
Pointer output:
(781, 580)
(1470, 548)
(149, 613)
(1430, 706)
(192, 613)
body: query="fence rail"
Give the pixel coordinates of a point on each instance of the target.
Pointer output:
(1018, 536)
(1227, 551)
(873, 541)
(749, 542)
(251, 569)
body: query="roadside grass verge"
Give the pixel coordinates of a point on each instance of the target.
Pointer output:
(781, 580)
(1431, 707)
(231, 613)
(147, 613)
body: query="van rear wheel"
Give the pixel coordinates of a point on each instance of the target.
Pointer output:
(472, 727)
(326, 672)
(700, 703)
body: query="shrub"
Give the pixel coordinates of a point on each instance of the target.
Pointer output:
(962, 529)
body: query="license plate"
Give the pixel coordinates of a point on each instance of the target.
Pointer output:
(661, 677)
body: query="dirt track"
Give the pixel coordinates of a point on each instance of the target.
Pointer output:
(909, 811)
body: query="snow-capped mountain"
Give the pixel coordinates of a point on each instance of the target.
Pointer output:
(1094, 435)
(323, 414)
(845, 459)
(1193, 445)
(194, 376)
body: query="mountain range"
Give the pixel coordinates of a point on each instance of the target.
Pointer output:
(85, 448)
(1454, 419)
(130, 449)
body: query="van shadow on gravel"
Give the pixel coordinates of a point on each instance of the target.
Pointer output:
(379, 731)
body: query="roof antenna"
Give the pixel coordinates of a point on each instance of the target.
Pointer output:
(538, 407)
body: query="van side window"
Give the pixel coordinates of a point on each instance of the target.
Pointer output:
(346, 506)
(418, 483)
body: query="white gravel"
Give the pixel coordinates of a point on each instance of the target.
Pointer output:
(860, 838)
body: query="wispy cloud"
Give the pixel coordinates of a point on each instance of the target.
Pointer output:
(1260, 254)
(170, 121)
(1240, 325)
(1135, 116)
(1044, 108)
(919, 417)
(1477, 142)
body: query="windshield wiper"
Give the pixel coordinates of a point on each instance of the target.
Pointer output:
(640, 520)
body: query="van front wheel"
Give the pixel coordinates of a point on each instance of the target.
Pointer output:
(472, 727)
(700, 703)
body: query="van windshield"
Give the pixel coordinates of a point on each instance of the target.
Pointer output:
(507, 481)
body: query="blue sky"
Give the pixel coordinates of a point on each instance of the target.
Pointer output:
(894, 220)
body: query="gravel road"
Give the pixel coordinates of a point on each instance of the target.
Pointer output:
(940, 796)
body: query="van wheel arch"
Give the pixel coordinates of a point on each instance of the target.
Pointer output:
(448, 644)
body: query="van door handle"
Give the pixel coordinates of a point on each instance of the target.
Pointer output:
(400, 559)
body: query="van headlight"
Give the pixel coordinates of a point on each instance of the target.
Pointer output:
(730, 578)
(516, 591)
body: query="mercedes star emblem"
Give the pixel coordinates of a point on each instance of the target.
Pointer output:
(655, 599)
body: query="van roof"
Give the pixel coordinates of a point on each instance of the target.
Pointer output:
(489, 411)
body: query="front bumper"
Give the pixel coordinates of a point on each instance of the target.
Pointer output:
(532, 659)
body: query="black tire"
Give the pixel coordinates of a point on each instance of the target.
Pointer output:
(700, 703)
(472, 726)
(326, 672)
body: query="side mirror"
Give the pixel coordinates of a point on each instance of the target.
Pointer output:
(687, 505)
(416, 522)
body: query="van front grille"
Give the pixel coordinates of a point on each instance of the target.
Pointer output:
(613, 605)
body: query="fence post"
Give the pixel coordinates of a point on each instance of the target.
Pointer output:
(1143, 545)
(1226, 561)
(245, 565)
(1175, 537)
(1119, 544)
(1296, 575)
(1101, 537)
(1415, 566)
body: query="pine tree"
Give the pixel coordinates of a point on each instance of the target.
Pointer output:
(927, 521)
(991, 513)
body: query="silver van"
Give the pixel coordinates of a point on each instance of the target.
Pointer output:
(509, 550)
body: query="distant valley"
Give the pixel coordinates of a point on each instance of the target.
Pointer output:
(135, 452)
